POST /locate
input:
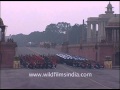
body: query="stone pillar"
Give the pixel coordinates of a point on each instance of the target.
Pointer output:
(103, 30)
(94, 32)
(118, 35)
(8, 54)
(2, 33)
(99, 31)
(103, 34)
(106, 35)
(112, 35)
(3, 37)
(89, 32)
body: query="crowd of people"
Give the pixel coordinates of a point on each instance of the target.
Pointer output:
(51, 61)
(38, 61)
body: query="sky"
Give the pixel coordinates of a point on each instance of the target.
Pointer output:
(29, 16)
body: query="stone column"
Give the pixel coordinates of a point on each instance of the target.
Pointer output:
(2, 33)
(3, 36)
(118, 35)
(94, 32)
(89, 32)
(99, 31)
(112, 35)
(103, 30)
(106, 35)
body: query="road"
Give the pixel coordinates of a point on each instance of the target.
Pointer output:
(36, 50)
(20, 79)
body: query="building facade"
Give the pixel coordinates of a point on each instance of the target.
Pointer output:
(96, 25)
(103, 36)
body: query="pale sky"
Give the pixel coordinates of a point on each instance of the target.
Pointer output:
(28, 16)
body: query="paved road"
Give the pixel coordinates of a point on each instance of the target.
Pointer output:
(35, 50)
(19, 78)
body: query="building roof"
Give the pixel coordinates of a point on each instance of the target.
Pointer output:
(114, 21)
(106, 16)
(92, 19)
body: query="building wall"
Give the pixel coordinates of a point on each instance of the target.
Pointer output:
(89, 51)
(106, 50)
(7, 55)
(85, 51)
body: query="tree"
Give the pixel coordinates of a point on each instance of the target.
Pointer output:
(63, 27)
(74, 34)
(77, 33)
(54, 33)
(20, 39)
(52, 28)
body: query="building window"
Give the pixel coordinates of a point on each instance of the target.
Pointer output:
(91, 26)
(96, 27)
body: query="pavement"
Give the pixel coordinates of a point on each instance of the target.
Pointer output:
(20, 79)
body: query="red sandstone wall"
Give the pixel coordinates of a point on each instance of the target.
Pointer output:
(58, 48)
(86, 51)
(89, 51)
(8, 53)
(7, 59)
(106, 51)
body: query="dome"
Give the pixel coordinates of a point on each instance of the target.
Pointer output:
(109, 5)
(114, 21)
(1, 22)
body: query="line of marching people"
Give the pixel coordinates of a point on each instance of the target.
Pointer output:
(37, 61)
(79, 62)
(90, 64)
